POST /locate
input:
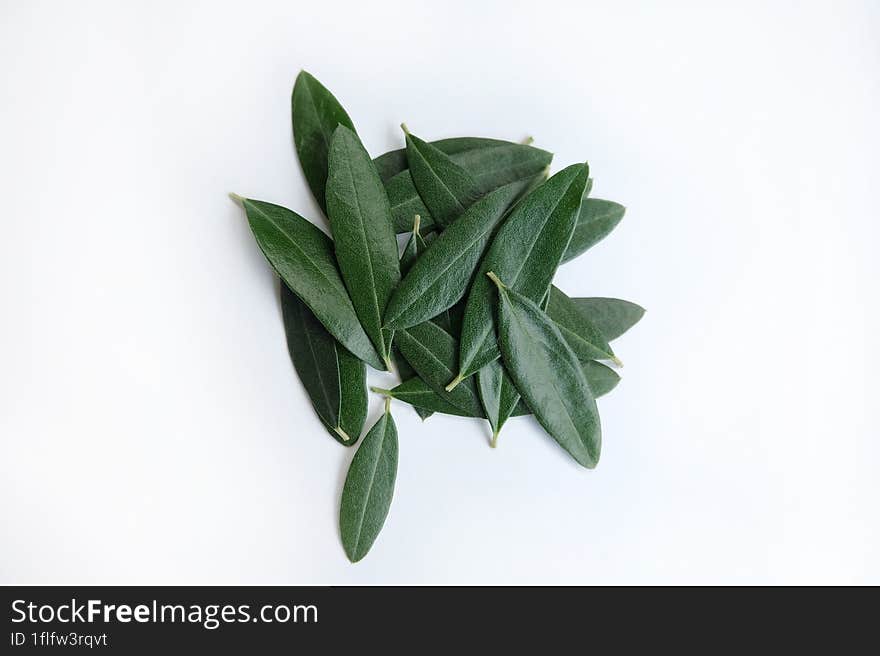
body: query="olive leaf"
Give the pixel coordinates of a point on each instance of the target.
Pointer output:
(547, 374)
(394, 161)
(315, 113)
(418, 394)
(335, 380)
(440, 277)
(612, 316)
(584, 338)
(526, 252)
(369, 488)
(432, 352)
(498, 396)
(492, 164)
(365, 244)
(595, 220)
(303, 256)
(446, 188)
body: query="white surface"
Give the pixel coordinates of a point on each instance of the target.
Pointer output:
(153, 429)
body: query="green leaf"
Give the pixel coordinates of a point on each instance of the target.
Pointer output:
(303, 256)
(525, 252)
(368, 489)
(335, 380)
(491, 166)
(600, 378)
(596, 219)
(498, 395)
(316, 113)
(611, 316)
(366, 247)
(432, 353)
(547, 374)
(446, 188)
(418, 394)
(584, 338)
(394, 161)
(441, 276)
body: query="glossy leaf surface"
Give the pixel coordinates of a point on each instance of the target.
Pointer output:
(334, 379)
(548, 375)
(369, 488)
(315, 113)
(365, 243)
(432, 352)
(441, 276)
(525, 253)
(303, 256)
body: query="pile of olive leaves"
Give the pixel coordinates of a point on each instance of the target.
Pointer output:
(467, 313)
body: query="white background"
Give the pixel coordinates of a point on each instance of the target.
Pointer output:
(153, 430)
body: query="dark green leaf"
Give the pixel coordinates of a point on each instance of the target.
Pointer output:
(595, 220)
(525, 252)
(584, 338)
(446, 188)
(432, 353)
(498, 395)
(441, 276)
(335, 380)
(547, 374)
(611, 316)
(600, 378)
(394, 161)
(315, 113)
(491, 166)
(303, 257)
(418, 394)
(369, 487)
(366, 247)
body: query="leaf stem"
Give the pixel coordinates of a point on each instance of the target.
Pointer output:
(528, 141)
(455, 381)
(387, 405)
(238, 199)
(404, 128)
(494, 442)
(345, 437)
(417, 222)
(496, 280)
(617, 361)
(382, 391)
